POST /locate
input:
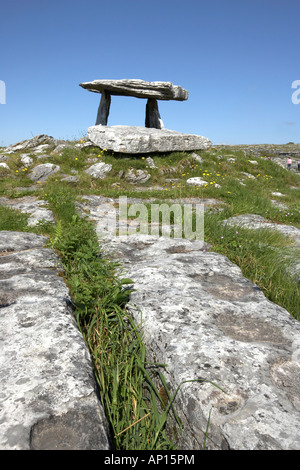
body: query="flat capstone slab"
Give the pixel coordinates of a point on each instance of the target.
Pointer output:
(48, 395)
(138, 88)
(135, 139)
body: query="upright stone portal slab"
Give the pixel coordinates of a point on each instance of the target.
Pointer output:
(153, 118)
(103, 110)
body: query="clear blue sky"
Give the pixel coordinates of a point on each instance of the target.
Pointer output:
(237, 59)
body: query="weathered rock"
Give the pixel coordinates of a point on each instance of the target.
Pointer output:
(132, 139)
(43, 171)
(196, 157)
(138, 88)
(26, 159)
(291, 254)
(30, 205)
(4, 165)
(41, 148)
(28, 144)
(196, 181)
(150, 162)
(60, 147)
(255, 221)
(99, 170)
(137, 176)
(70, 179)
(48, 391)
(203, 319)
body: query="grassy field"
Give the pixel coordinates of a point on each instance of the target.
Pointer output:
(133, 392)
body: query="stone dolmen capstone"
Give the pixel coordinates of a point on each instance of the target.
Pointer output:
(131, 139)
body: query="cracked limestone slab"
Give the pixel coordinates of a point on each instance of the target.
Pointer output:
(205, 321)
(48, 394)
(30, 205)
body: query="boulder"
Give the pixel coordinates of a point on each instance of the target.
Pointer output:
(48, 392)
(134, 139)
(99, 170)
(43, 171)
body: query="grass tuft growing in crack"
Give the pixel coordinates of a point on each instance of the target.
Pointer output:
(127, 391)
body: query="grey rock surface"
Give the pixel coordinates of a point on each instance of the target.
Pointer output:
(48, 392)
(138, 88)
(30, 205)
(137, 176)
(43, 171)
(30, 143)
(255, 221)
(99, 170)
(4, 165)
(196, 181)
(203, 319)
(134, 139)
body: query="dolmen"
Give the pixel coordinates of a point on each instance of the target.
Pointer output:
(133, 139)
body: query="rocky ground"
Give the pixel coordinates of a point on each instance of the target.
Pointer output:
(201, 316)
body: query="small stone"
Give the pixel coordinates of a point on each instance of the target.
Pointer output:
(196, 181)
(99, 170)
(196, 157)
(137, 176)
(4, 165)
(26, 160)
(150, 162)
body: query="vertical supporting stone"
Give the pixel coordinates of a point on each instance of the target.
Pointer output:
(153, 118)
(103, 110)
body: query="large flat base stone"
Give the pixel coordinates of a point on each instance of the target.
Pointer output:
(133, 139)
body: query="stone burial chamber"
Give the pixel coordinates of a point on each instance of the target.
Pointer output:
(132, 139)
